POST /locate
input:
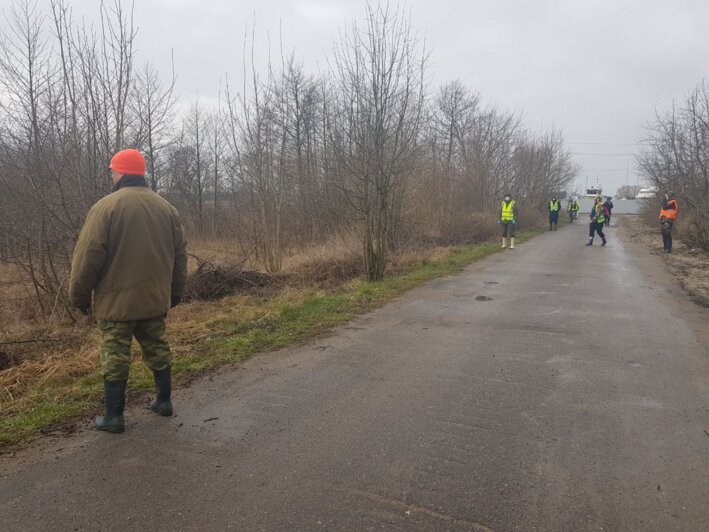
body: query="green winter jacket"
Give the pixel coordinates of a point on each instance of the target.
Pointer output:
(132, 254)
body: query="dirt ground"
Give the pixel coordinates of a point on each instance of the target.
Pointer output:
(690, 266)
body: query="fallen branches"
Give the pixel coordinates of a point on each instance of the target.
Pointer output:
(211, 281)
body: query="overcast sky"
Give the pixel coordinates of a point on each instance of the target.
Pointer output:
(597, 69)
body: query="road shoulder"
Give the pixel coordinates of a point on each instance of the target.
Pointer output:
(682, 275)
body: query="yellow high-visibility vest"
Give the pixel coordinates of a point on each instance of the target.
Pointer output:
(554, 206)
(507, 211)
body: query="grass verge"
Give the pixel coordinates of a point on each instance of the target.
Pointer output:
(222, 334)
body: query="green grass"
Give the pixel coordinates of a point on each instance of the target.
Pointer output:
(277, 322)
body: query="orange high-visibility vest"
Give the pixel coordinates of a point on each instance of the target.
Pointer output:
(670, 214)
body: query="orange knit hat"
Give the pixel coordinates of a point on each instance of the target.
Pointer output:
(129, 162)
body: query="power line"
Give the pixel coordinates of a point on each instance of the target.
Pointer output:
(606, 143)
(603, 154)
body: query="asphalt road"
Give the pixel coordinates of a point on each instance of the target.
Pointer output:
(576, 398)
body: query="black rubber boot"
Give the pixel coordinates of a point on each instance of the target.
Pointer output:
(604, 242)
(114, 393)
(163, 383)
(590, 242)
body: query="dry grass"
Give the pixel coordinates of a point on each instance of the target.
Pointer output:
(68, 353)
(216, 251)
(467, 228)
(63, 352)
(689, 264)
(73, 356)
(15, 298)
(343, 247)
(73, 353)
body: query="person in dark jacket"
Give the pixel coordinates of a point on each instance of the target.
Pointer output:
(608, 204)
(598, 218)
(131, 254)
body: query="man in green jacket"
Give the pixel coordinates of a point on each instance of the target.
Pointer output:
(132, 255)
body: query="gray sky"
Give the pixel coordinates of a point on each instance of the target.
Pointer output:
(596, 69)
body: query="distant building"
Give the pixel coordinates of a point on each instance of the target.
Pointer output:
(649, 192)
(592, 192)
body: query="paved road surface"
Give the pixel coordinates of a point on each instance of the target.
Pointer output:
(576, 399)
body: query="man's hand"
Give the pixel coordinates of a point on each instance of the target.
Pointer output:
(84, 310)
(174, 301)
(514, 222)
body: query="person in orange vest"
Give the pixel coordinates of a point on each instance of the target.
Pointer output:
(668, 214)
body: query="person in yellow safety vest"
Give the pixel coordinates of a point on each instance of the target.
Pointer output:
(554, 208)
(598, 219)
(573, 208)
(508, 220)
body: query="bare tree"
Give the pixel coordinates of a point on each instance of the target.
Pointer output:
(291, 159)
(676, 158)
(543, 167)
(215, 134)
(153, 109)
(627, 191)
(452, 118)
(257, 136)
(379, 102)
(63, 111)
(189, 164)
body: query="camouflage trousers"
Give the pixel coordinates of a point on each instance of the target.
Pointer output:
(116, 340)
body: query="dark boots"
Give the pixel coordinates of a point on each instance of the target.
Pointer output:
(114, 393)
(163, 383)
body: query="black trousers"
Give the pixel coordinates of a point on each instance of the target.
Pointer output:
(595, 227)
(666, 228)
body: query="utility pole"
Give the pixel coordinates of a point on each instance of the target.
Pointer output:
(627, 169)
